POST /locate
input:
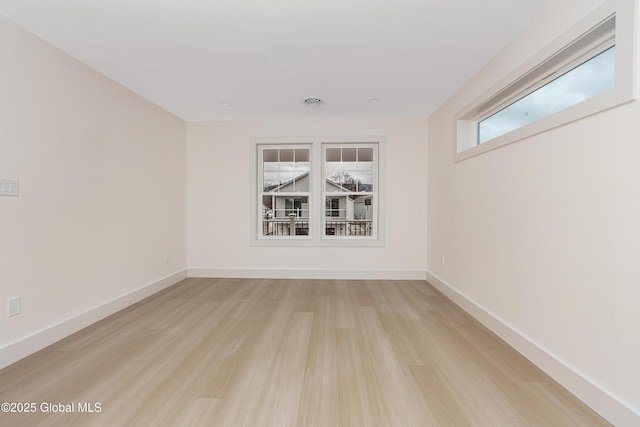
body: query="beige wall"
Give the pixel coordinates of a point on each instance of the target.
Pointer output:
(220, 213)
(541, 238)
(102, 194)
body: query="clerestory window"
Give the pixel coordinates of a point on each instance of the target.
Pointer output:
(589, 69)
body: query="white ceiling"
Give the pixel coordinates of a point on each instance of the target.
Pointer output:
(265, 57)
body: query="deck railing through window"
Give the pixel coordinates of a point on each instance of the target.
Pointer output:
(283, 227)
(300, 227)
(349, 228)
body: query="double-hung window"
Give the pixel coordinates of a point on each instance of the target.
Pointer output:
(349, 190)
(319, 192)
(284, 191)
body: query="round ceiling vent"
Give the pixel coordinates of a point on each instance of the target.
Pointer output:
(313, 102)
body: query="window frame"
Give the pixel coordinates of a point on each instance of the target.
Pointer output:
(260, 193)
(333, 194)
(585, 40)
(316, 236)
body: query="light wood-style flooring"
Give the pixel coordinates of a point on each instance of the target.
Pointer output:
(280, 353)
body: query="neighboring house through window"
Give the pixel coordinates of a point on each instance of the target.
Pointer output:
(285, 190)
(318, 191)
(349, 190)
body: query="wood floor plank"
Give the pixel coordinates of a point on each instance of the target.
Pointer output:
(298, 353)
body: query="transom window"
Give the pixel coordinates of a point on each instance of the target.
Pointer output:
(587, 70)
(589, 79)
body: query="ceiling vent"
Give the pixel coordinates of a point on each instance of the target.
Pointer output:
(313, 102)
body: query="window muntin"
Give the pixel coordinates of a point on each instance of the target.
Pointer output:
(269, 226)
(589, 79)
(350, 191)
(349, 169)
(283, 167)
(285, 174)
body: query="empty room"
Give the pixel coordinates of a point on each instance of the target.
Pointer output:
(342, 213)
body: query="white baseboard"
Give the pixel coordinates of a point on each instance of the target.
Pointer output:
(263, 273)
(19, 349)
(604, 403)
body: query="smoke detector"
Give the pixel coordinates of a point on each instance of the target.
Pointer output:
(313, 102)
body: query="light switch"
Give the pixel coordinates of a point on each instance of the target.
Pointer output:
(8, 187)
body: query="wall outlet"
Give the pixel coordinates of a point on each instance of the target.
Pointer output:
(333, 253)
(14, 306)
(8, 187)
(166, 258)
(442, 261)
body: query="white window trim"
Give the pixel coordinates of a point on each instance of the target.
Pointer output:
(375, 193)
(315, 238)
(308, 194)
(625, 82)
